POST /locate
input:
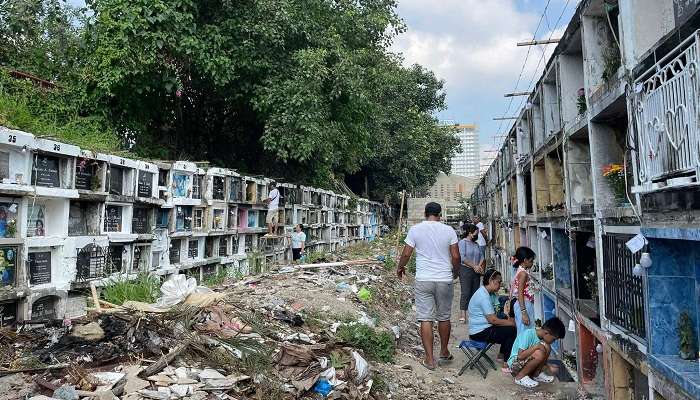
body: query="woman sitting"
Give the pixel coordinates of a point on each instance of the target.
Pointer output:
(484, 325)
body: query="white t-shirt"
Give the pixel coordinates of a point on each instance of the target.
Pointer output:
(274, 197)
(297, 239)
(432, 241)
(481, 241)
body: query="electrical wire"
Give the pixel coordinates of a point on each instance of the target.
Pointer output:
(522, 69)
(535, 72)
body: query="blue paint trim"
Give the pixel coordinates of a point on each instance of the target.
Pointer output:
(672, 233)
(682, 373)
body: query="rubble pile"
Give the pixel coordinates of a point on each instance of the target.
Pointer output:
(290, 333)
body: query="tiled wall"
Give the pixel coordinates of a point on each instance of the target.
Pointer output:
(673, 287)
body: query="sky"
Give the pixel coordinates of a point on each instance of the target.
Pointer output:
(471, 45)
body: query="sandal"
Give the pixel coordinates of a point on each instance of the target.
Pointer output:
(446, 359)
(428, 366)
(544, 378)
(527, 382)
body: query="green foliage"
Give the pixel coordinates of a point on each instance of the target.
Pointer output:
(42, 37)
(339, 359)
(144, 288)
(389, 263)
(411, 268)
(317, 257)
(378, 345)
(303, 90)
(686, 334)
(611, 63)
(215, 279)
(53, 113)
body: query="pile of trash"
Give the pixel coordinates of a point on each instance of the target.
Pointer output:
(244, 340)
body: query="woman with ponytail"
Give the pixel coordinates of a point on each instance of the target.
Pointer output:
(524, 305)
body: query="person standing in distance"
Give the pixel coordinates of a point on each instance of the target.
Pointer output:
(272, 201)
(437, 265)
(483, 237)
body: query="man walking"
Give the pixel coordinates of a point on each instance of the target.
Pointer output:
(437, 265)
(483, 235)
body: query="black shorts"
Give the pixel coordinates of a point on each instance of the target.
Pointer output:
(296, 254)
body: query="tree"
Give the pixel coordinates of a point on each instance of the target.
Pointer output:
(41, 37)
(304, 91)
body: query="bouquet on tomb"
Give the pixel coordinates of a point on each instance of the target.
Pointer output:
(614, 174)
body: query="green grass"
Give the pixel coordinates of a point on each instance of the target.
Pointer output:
(339, 359)
(377, 345)
(389, 263)
(215, 279)
(317, 257)
(144, 288)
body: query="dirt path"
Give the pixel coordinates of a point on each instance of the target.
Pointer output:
(443, 382)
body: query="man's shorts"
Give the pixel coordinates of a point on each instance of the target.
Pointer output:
(272, 216)
(519, 365)
(433, 300)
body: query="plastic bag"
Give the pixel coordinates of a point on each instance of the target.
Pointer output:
(322, 387)
(361, 367)
(364, 295)
(177, 288)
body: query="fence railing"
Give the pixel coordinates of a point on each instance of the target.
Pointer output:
(668, 116)
(623, 291)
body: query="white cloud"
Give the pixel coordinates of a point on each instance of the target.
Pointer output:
(471, 44)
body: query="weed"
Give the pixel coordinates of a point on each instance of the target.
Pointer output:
(339, 359)
(317, 257)
(359, 250)
(378, 345)
(379, 385)
(412, 265)
(215, 279)
(389, 263)
(144, 288)
(314, 319)
(346, 317)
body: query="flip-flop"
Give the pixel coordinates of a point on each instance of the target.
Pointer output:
(445, 360)
(428, 366)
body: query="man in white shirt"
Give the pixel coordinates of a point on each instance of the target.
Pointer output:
(483, 235)
(437, 265)
(272, 201)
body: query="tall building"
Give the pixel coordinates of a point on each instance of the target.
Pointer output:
(466, 161)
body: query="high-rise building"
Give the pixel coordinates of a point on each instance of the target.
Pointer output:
(466, 161)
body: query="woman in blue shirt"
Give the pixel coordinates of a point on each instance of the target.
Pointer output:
(484, 325)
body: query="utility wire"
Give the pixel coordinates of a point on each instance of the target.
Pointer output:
(535, 73)
(522, 70)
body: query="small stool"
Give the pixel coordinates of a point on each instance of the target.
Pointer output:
(475, 352)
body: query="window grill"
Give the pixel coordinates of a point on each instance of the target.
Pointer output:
(193, 249)
(114, 260)
(90, 263)
(223, 247)
(174, 252)
(624, 292)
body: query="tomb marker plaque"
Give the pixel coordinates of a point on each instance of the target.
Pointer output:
(45, 171)
(139, 223)
(44, 308)
(145, 188)
(40, 268)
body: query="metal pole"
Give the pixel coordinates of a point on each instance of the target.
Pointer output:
(536, 42)
(398, 236)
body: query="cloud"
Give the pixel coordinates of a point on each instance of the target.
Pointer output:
(471, 44)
